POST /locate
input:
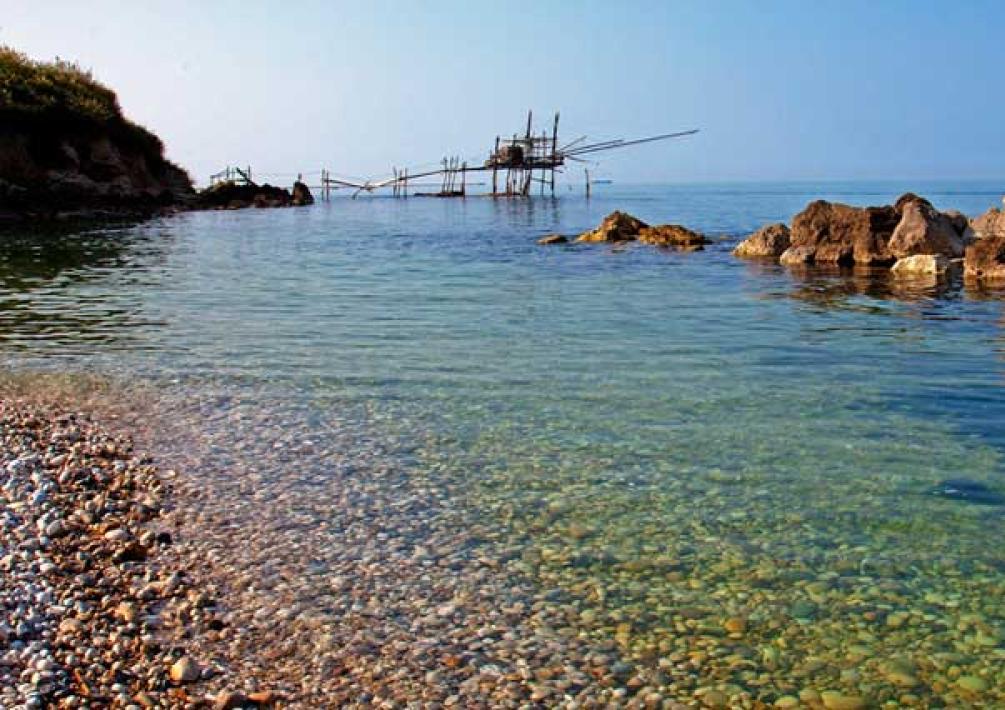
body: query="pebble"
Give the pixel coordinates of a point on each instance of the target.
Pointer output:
(735, 625)
(972, 684)
(184, 670)
(833, 700)
(228, 700)
(117, 535)
(715, 699)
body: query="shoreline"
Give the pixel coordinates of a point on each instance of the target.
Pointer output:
(406, 609)
(99, 609)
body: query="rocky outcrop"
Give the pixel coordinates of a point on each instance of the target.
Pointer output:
(616, 227)
(48, 173)
(921, 265)
(770, 241)
(840, 234)
(622, 227)
(832, 233)
(233, 196)
(985, 260)
(989, 224)
(66, 148)
(301, 195)
(671, 235)
(924, 230)
(552, 239)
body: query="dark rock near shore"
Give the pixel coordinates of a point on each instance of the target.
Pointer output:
(46, 173)
(769, 241)
(232, 196)
(552, 239)
(301, 195)
(235, 196)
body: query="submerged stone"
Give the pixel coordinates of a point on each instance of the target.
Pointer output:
(834, 700)
(972, 684)
(967, 490)
(803, 611)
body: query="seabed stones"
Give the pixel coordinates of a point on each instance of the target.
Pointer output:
(368, 581)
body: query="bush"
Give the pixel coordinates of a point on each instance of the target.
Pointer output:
(61, 94)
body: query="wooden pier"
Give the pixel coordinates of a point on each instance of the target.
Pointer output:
(518, 163)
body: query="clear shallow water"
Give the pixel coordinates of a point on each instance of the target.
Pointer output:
(671, 439)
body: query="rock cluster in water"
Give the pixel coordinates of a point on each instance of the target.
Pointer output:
(623, 227)
(911, 236)
(92, 613)
(233, 196)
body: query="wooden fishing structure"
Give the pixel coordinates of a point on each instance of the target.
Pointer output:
(516, 163)
(239, 176)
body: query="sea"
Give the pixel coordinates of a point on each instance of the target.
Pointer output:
(665, 440)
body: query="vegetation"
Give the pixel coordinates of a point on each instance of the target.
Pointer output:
(47, 96)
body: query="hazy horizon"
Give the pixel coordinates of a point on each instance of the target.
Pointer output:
(790, 92)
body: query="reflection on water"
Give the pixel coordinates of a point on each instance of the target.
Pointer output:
(63, 286)
(836, 287)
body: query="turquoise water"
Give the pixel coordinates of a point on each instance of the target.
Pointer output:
(648, 431)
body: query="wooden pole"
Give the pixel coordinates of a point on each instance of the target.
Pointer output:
(587, 183)
(495, 167)
(544, 149)
(554, 152)
(464, 178)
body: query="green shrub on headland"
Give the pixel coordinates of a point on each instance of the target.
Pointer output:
(55, 90)
(65, 144)
(59, 95)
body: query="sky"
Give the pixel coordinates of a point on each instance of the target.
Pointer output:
(783, 90)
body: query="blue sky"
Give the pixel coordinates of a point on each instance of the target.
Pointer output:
(780, 90)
